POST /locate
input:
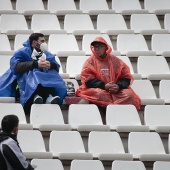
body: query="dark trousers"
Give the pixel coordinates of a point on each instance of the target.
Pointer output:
(41, 91)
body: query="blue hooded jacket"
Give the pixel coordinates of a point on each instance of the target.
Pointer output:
(29, 81)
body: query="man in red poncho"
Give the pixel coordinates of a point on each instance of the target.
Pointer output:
(106, 79)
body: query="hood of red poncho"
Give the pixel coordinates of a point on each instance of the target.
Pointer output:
(101, 40)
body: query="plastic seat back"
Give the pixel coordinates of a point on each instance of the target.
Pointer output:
(128, 165)
(19, 40)
(86, 164)
(45, 164)
(74, 65)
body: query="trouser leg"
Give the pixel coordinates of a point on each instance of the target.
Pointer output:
(43, 92)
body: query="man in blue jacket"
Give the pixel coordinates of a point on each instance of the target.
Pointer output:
(36, 71)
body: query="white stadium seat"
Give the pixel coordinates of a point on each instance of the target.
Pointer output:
(163, 92)
(133, 45)
(47, 117)
(79, 24)
(157, 117)
(144, 89)
(147, 146)
(148, 25)
(74, 66)
(153, 67)
(44, 164)
(62, 7)
(30, 7)
(93, 8)
(46, 24)
(127, 61)
(160, 44)
(4, 63)
(68, 145)
(159, 165)
(19, 40)
(158, 7)
(59, 62)
(112, 24)
(86, 117)
(12, 24)
(169, 144)
(124, 118)
(32, 144)
(86, 164)
(166, 22)
(15, 109)
(128, 165)
(134, 7)
(5, 48)
(62, 74)
(6, 7)
(107, 146)
(64, 45)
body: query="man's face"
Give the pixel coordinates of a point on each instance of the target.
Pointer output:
(100, 49)
(36, 44)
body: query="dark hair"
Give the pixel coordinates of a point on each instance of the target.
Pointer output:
(9, 122)
(35, 36)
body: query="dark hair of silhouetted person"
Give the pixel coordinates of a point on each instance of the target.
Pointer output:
(9, 122)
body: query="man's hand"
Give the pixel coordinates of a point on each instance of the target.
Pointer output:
(44, 64)
(112, 87)
(108, 86)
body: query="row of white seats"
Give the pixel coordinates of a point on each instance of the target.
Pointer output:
(143, 88)
(158, 70)
(80, 24)
(63, 45)
(53, 164)
(104, 146)
(25, 7)
(86, 118)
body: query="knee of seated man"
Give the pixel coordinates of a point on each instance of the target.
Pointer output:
(104, 96)
(128, 93)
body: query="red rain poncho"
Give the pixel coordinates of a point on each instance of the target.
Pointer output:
(109, 69)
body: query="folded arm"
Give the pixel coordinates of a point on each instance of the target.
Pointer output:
(22, 67)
